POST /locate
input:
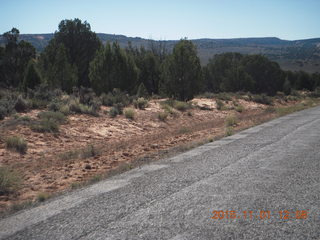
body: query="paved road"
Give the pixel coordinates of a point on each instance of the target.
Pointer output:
(272, 167)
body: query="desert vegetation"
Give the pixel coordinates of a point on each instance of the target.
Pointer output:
(81, 108)
(17, 144)
(142, 72)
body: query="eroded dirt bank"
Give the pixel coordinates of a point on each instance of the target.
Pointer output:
(88, 146)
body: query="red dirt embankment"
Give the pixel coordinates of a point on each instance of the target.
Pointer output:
(53, 163)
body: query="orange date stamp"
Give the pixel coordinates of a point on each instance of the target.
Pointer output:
(259, 215)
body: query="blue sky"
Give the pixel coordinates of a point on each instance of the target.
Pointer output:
(170, 19)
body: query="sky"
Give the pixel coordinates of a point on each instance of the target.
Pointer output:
(169, 19)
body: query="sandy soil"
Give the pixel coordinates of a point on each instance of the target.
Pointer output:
(48, 168)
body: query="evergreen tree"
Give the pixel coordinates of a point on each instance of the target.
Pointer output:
(316, 80)
(304, 81)
(292, 78)
(148, 64)
(236, 79)
(113, 68)
(100, 71)
(209, 84)
(56, 69)
(267, 75)
(14, 58)
(32, 77)
(224, 73)
(2, 69)
(150, 72)
(182, 75)
(80, 45)
(65, 73)
(287, 87)
(125, 72)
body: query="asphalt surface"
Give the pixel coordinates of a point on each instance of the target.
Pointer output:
(272, 167)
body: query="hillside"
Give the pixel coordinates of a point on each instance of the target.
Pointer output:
(86, 148)
(291, 55)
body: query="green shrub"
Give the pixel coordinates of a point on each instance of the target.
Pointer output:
(168, 102)
(86, 101)
(105, 112)
(156, 96)
(75, 106)
(42, 95)
(295, 93)
(72, 104)
(16, 116)
(20, 206)
(90, 151)
(57, 117)
(89, 110)
(224, 96)
(54, 106)
(231, 120)
(7, 102)
(80, 108)
(95, 179)
(280, 95)
(65, 109)
(167, 108)
(240, 95)
(119, 107)
(9, 180)
(113, 112)
(85, 109)
(3, 112)
(72, 154)
(41, 197)
(140, 103)
(291, 98)
(37, 103)
(206, 95)
(229, 131)
(25, 118)
(184, 130)
(162, 116)
(129, 113)
(142, 91)
(281, 111)
(270, 110)
(115, 97)
(86, 95)
(239, 108)
(220, 104)
(107, 99)
(21, 105)
(46, 125)
(95, 105)
(17, 144)
(181, 106)
(262, 98)
(315, 93)
(87, 152)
